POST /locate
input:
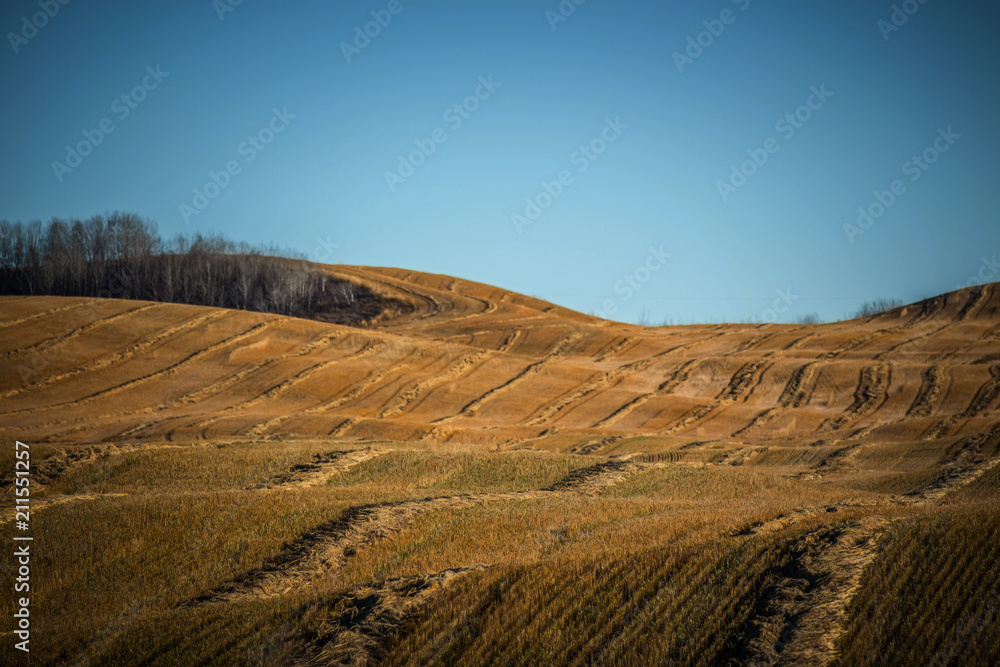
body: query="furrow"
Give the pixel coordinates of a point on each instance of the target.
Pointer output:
(931, 381)
(49, 343)
(871, 392)
(677, 378)
(473, 406)
(456, 371)
(985, 396)
(329, 546)
(117, 357)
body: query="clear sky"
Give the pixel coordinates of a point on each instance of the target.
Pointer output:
(627, 124)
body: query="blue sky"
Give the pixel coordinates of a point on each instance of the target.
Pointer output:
(640, 137)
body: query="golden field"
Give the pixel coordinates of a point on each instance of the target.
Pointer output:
(492, 479)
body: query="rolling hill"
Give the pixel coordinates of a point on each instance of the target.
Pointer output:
(485, 366)
(490, 478)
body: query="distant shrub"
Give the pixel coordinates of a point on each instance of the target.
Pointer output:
(876, 307)
(809, 318)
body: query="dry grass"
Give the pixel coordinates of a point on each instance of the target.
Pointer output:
(440, 488)
(681, 605)
(652, 555)
(933, 594)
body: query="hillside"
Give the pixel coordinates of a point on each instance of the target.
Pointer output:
(487, 478)
(480, 365)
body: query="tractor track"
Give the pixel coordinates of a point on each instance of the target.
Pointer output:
(330, 545)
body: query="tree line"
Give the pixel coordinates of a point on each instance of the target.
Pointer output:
(120, 255)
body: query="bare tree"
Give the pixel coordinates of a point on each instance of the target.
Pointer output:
(121, 255)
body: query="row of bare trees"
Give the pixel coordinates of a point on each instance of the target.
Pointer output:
(122, 256)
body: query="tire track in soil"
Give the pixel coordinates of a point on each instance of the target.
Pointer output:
(616, 348)
(597, 445)
(461, 368)
(801, 386)
(963, 466)
(363, 621)
(54, 341)
(978, 297)
(365, 387)
(882, 355)
(985, 395)
(369, 348)
(927, 310)
(369, 382)
(39, 504)
(799, 342)
(798, 391)
(988, 338)
(323, 467)
(923, 403)
(193, 396)
(329, 546)
(511, 341)
(746, 379)
(804, 615)
(600, 381)
(931, 381)
(751, 342)
(169, 370)
(676, 379)
(343, 427)
(980, 403)
(51, 468)
(123, 355)
(472, 407)
(741, 385)
(47, 313)
(871, 393)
